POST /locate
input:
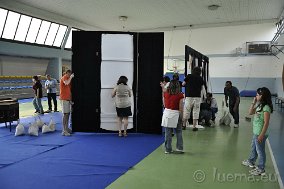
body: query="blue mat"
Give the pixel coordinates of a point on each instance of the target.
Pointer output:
(90, 161)
(13, 153)
(84, 160)
(248, 93)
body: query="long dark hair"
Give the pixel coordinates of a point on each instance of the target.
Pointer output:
(174, 87)
(265, 98)
(122, 79)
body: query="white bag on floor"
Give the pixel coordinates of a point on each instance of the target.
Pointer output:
(39, 122)
(51, 125)
(225, 119)
(33, 129)
(45, 129)
(20, 130)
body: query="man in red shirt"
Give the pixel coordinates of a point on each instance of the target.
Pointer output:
(66, 97)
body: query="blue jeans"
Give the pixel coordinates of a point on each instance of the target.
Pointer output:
(258, 150)
(168, 137)
(214, 111)
(37, 104)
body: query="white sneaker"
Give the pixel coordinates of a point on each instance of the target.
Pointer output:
(179, 151)
(169, 152)
(236, 126)
(258, 172)
(64, 133)
(248, 163)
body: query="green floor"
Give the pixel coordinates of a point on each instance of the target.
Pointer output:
(212, 159)
(215, 153)
(27, 109)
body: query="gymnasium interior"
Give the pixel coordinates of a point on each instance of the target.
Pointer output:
(241, 41)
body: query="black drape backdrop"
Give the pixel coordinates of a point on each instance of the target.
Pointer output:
(86, 85)
(203, 61)
(150, 72)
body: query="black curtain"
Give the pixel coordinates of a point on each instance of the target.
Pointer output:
(202, 61)
(150, 72)
(86, 85)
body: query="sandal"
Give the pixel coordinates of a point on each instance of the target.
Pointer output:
(125, 133)
(119, 134)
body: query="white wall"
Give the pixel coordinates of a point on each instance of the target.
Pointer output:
(218, 40)
(278, 74)
(220, 45)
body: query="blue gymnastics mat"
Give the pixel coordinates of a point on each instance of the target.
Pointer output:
(248, 93)
(84, 160)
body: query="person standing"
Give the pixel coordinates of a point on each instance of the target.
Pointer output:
(194, 86)
(66, 101)
(37, 87)
(122, 94)
(172, 116)
(50, 86)
(233, 94)
(261, 107)
(165, 83)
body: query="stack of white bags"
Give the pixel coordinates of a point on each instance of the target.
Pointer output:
(35, 126)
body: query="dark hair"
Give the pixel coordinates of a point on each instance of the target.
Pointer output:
(174, 87)
(196, 70)
(166, 78)
(229, 82)
(35, 77)
(68, 71)
(176, 76)
(265, 98)
(209, 94)
(122, 79)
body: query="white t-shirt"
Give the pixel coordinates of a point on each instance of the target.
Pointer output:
(122, 96)
(214, 103)
(51, 86)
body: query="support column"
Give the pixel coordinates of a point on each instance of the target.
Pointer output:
(54, 68)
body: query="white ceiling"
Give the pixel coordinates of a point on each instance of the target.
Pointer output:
(154, 14)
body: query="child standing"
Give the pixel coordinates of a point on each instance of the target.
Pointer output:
(261, 107)
(172, 116)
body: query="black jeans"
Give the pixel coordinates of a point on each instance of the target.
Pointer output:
(53, 97)
(235, 115)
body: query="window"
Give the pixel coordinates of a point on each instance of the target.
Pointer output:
(20, 27)
(23, 28)
(33, 30)
(11, 25)
(60, 35)
(3, 14)
(51, 34)
(69, 40)
(43, 32)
